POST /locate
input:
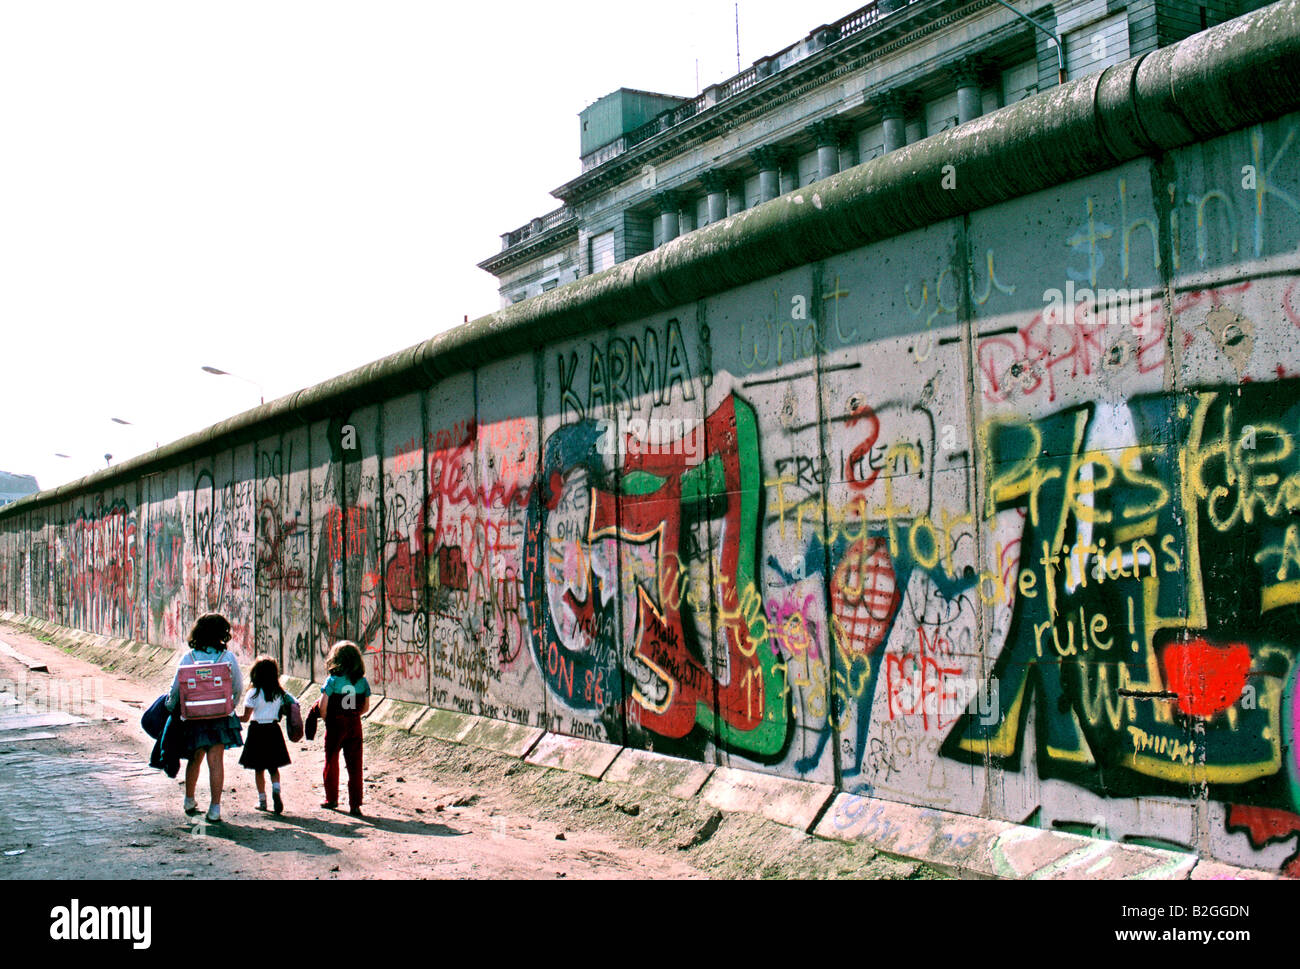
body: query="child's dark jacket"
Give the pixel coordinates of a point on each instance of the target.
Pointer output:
(169, 730)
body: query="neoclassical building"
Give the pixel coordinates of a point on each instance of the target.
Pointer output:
(655, 166)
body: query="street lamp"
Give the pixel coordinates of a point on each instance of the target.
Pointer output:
(1060, 47)
(218, 372)
(118, 420)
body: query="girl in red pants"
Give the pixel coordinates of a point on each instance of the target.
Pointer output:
(344, 698)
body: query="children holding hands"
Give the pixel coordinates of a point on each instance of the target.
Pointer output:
(344, 698)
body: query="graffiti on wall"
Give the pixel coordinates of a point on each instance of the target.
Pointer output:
(1155, 597)
(102, 589)
(661, 557)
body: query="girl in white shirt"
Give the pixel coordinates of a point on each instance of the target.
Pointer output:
(265, 751)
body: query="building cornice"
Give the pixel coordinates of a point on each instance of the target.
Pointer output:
(824, 67)
(531, 248)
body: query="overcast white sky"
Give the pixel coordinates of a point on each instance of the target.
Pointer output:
(286, 190)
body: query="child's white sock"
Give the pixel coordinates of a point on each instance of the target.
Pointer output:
(275, 785)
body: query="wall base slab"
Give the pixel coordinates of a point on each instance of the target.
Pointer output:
(794, 803)
(574, 754)
(660, 773)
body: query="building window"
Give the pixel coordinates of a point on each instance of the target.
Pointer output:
(549, 285)
(808, 169)
(940, 114)
(1097, 46)
(1019, 82)
(600, 251)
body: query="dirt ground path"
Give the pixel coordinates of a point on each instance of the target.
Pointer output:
(77, 800)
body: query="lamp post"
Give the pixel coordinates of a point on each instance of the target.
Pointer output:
(1060, 47)
(218, 372)
(118, 420)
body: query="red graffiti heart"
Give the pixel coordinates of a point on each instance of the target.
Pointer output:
(1207, 678)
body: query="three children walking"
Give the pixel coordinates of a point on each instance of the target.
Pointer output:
(344, 698)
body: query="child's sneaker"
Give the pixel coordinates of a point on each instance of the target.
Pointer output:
(261, 802)
(276, 802)
(191, 806)
(214, 813)
(355, 812)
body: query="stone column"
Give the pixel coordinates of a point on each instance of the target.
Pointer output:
(768, 160)
(715, 183)
(668, 203)
(827, 135)
(891, 107)
(970, 104)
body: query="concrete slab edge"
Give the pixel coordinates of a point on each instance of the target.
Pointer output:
(505, 737)
(440, 724)
(33, 665)
(976, 847)
(794, 803)
(648, 770)
(110, 652)
(575, 754)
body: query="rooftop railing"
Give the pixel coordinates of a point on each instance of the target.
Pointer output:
(536, 227)
(818, 39)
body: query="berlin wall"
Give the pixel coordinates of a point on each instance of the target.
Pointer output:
(969, 478)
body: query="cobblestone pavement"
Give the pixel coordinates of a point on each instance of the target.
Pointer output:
(54, 799)
(77, 797)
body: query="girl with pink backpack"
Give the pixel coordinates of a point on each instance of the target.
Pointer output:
(207, 681)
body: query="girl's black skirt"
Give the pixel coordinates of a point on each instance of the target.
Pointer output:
(264, 749)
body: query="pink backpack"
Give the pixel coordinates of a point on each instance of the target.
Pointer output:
(206, 692)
